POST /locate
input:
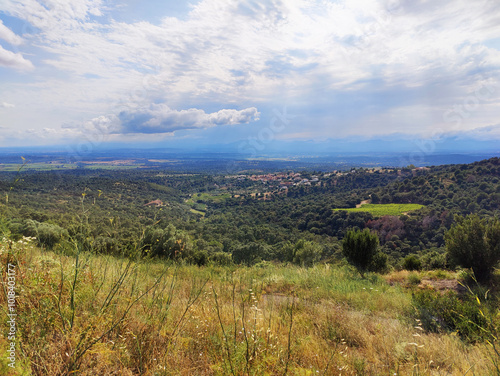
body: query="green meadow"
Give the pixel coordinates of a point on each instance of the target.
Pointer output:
(379, 210)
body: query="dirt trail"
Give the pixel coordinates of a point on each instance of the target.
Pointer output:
(362, 203)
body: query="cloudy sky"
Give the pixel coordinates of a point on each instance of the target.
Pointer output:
(219, 71)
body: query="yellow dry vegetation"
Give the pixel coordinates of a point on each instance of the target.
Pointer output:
(159, 318)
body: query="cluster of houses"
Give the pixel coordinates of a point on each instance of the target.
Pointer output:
(282, 179)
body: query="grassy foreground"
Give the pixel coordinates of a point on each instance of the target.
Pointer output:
(98, 315)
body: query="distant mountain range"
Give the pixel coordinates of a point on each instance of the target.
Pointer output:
(396, 151)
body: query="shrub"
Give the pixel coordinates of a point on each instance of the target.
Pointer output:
(47, 234)
(306, 253)
(379, 263)
(433, 259)
(105, 245)
(250, 253)
(360, 249)
(450, 313)
(474, 243)
(414, 279)
(169, 243)
(198, 257)
(221, 258)
(412, 262)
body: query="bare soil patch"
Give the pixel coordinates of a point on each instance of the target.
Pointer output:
(442, 285)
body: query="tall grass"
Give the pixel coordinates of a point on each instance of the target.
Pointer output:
(144, 317)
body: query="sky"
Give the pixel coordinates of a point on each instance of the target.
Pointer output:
(210, 72)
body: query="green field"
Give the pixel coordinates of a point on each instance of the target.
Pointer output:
(379, 210)
(42, 166)
(12, 167)
(112, 167)
(194, 211)
(207, 198)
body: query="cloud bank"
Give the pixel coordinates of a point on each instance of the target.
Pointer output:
(159, 118)
(344, 67)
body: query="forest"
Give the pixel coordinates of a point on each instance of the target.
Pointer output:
(249, 218)
(429, 237)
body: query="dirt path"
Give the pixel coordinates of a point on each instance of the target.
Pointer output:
(362, 203)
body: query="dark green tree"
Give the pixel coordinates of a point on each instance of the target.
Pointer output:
(360, 249)
(474, 243)
(412, 262)
(250, 253)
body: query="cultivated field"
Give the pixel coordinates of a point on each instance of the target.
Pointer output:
(379, 210)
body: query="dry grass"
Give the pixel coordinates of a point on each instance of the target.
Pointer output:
(146, 318)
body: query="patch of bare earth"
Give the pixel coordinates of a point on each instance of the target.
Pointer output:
(442, 285)
(362, 203)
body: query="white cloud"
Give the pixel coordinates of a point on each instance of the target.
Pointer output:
(53, 13)
(232, 117)
(224, 53)
(6, 105)
(9, 58)
(159, 118)
(291, 46)
(14, 60)
(9, 36)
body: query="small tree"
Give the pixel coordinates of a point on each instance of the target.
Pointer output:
(474, 243)
(412, 262)
(360, 249)
(306, 253)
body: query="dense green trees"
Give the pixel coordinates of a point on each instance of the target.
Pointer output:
(47, 234)
(474, 242)
(168, 242)
(297, 225)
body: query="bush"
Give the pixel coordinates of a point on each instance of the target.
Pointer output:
(169, 243)
(47, 234)
(105, 245)
(414, 279)
(221, 258)
(360, 249)
(250, 253)
(474, 243)
(411, 262)
(4, 228)
(198, 257)
(450, 313)
(433, 259)
(306, 253)
(379, 263)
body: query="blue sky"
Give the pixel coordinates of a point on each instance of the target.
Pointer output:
(218, 71)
